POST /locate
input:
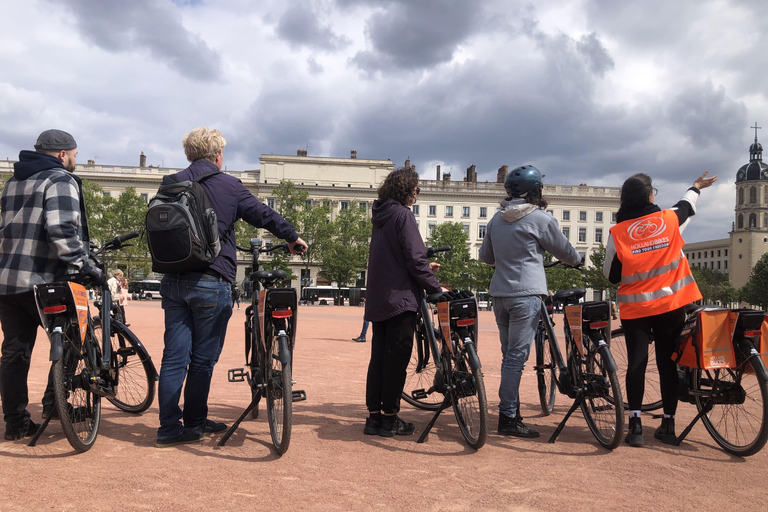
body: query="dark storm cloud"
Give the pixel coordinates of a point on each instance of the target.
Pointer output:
(707, 115)
(300, 26)
(151, 25)
(413, 35)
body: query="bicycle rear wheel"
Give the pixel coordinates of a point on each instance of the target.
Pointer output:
(738, 420)
(602, 405)
(79, 409)
(279, 397)
(652, 394)
(135, 389)
(420, 375)
(470, 404)
(545, 372)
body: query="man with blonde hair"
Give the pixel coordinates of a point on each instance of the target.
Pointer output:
(198, 304)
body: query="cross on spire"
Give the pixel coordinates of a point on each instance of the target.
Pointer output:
(756, 128)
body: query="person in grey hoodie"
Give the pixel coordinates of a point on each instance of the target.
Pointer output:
(515, 242)
(398, 271)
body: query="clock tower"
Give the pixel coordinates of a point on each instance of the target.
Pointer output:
(749, 236)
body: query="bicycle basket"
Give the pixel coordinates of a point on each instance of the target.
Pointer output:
(706, 340)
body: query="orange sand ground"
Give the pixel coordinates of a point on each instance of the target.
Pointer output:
(331, 465)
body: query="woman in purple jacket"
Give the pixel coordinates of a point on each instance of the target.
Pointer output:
(398, 271)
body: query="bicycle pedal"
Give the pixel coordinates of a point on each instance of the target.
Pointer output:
(236, 375)
(419, 394)
(299, 395)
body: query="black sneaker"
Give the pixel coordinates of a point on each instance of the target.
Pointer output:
(213, 427)
(27, 429)
(183, 438)
(666, 431)
(372, 425)
(359, 339)
(392, 426)
(635, 432)
(515, 427)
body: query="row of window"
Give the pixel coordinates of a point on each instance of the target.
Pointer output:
(697, 255)
(465, 211)
(711, 265)
(566, 215)
(582, 234)
(752, 195)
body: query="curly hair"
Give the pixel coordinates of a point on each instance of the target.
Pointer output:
(203, 143)
(399, 185)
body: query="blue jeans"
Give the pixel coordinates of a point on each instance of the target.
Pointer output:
(517, 318)
(197, 309)
(365, 328)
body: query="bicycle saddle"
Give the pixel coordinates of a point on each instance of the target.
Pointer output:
(270, 275)
(572, 294)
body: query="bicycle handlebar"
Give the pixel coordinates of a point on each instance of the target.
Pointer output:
(432, 250)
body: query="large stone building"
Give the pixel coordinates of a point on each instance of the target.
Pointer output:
(585, 213)
(748, 239)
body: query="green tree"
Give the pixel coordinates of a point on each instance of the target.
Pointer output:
(455, 268)
(96, 205)
(561, 277)
(714, 286)
(346, 252)
(756, 290)
(126, 215)
(593, 275)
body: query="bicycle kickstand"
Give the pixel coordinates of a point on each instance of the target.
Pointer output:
(704, 410)
(236, 424)
(576, 405)
(40, 430)
(443, 406)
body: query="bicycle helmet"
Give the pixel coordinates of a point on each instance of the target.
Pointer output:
(523, 180)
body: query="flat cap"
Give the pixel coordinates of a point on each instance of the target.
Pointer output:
(55, 140)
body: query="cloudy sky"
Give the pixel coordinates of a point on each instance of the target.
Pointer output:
(587, 90)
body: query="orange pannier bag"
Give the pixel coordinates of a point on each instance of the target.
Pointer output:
(763, 348)
(706, 341)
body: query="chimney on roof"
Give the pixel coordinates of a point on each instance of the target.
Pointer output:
(142, 160)
(353, 154)
(91, 162)
(301, 152)
(438, 173)
(447, 176)
(471, 174)
(501, 175)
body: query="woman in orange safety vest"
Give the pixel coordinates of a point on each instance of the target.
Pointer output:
(645, 255)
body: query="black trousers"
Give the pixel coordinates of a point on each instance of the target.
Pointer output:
(19, 318)
(390, 354)
(637, 332)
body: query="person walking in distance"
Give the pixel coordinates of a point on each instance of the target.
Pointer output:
(655, 283)
(515, 241)
(198, 304)
(43, 238)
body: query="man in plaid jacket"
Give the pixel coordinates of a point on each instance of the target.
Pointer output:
(43, 236)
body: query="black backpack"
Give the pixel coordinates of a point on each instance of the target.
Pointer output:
(182, 230)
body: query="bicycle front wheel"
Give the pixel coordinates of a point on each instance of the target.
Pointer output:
(545, 372)
(738, 420)
(78, 408)
(652, 393)
(602, 404)
(279, 397)
(135, 389)
(470, 404)
(420, 376)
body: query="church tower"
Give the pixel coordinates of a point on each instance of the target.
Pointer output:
(749, 236)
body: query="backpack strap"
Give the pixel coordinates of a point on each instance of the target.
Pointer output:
(170, 179)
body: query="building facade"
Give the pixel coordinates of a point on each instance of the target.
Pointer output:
(585, 213)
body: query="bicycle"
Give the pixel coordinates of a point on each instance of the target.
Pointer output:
(270, 331)
(652, 394)
(588, 375)
(731, 399)
(458, 378)
(85, 370)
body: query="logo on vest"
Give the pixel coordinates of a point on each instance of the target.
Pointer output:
(646, 228)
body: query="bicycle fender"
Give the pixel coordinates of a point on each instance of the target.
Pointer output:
(758, 365)
(140, 345)
(57, 346)
(610, 363)
(474, 360)
(285, 350)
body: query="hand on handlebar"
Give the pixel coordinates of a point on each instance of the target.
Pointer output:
(94, 274)
(297, 247)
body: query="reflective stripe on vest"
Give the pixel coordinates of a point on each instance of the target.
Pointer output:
(642, 276)
(658, 294)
